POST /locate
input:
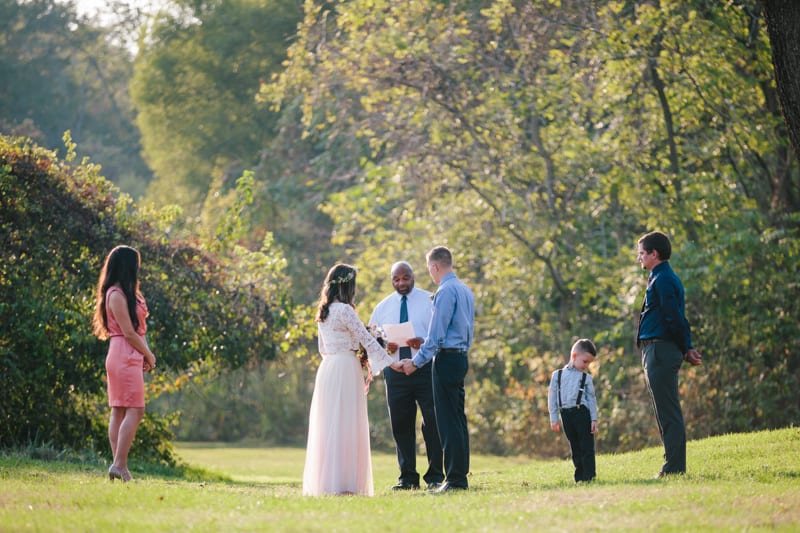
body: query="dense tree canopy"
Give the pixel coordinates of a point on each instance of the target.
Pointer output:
(540, 141)
(61, 72)
(537, 139)
(194, 87)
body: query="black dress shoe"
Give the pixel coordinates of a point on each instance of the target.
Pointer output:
(662, 474)
(434, 485)
(405, 485)
(447, 487)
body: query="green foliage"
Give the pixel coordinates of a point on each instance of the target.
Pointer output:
(57, 224)
(61, 72)
(539, 141)
(194, 86)
(262, 401)
(34, 39)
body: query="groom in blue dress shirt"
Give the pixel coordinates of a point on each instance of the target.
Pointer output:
(447, 344)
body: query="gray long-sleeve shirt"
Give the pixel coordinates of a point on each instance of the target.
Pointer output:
(570, 384)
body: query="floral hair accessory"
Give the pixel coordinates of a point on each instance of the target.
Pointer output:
(343, 279)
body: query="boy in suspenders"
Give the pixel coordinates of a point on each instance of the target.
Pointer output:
(571, 395)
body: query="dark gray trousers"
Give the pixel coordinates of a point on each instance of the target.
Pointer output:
(661, 361)
(448, 395)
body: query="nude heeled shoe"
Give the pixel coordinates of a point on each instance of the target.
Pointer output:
(116, 473)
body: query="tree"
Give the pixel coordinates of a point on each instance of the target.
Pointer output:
(34, 39)
(61, 72)
(196, 78)
(540, 141)
(783, 19)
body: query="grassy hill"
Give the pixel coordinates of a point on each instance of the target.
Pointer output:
(735, 482)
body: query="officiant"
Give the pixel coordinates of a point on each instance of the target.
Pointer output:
(409, 304)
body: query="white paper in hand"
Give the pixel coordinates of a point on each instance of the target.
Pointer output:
(399, 333)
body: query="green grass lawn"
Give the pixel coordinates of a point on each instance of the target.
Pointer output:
(735, 483)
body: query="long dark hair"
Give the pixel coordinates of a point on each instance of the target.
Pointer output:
(339, 286)
(121, 268)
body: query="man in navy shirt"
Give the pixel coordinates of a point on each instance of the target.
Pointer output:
(448, 341)
(665, 339)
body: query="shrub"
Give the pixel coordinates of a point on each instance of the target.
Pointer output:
(57, 223)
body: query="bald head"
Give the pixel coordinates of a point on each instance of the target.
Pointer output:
(402, 266)
(402, 277)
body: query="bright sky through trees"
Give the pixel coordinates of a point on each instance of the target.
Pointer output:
(90, 7)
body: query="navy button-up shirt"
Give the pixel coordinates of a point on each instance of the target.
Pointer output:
(663, 313)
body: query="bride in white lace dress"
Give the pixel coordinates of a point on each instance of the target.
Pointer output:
(338, 459)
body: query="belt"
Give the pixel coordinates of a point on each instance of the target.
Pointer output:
(570, 409)
(451, 351)
(645, 342)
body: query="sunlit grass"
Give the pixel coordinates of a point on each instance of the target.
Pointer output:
(735, 482)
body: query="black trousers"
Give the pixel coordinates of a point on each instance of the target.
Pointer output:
(449, 371)
(661, 362)
(403, 394)
(577, 424)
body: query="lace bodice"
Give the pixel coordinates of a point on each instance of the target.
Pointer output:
(343, 331)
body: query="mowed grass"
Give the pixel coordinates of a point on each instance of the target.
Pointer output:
(735, 483)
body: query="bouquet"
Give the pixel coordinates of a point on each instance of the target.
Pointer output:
(379, 335)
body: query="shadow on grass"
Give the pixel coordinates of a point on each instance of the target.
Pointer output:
(765, 475)
(45, 459)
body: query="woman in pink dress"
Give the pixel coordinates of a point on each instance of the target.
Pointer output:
(120, 313)
(338, 457)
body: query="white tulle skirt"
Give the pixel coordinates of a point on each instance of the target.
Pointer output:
(338, 457)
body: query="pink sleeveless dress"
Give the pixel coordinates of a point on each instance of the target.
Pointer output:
(124, 365)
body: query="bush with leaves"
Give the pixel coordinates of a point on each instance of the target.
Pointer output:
(57, 222)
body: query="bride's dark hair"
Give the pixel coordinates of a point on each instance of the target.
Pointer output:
(339, 286)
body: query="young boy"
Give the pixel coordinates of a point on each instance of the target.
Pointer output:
(572, 396)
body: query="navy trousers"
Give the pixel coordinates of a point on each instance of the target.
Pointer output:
(449, 371)
(403, 393)
(577, 424)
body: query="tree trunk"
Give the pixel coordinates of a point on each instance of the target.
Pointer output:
(783, 26)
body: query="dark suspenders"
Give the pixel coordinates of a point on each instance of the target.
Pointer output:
(559, 389)
(580, 390)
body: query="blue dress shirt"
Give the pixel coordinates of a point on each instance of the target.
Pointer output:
(452, 322)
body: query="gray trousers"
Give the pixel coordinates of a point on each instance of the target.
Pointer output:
(661, 361)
